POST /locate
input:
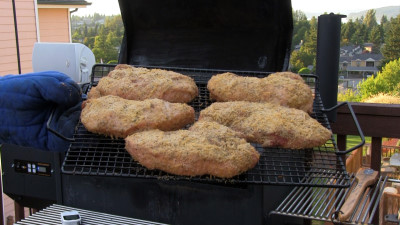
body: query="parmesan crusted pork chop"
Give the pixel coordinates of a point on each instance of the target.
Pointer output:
(268, 124)
(283, 88)
(206, 148)
(118, 117)
(140, 83)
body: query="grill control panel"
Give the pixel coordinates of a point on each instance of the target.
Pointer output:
(35, 168)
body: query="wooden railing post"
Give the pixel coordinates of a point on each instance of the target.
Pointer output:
(376, 153)
(19, 211)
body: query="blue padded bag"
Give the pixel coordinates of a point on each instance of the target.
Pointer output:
(26, 103)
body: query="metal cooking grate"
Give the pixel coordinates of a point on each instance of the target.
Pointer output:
(92, 154)
(52, 216)
(318, 203)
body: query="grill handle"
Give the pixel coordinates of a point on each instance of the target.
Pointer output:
(360, 132)
(54, 131)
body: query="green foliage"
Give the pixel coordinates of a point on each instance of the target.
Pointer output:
(391, 50)
(305, 56)
(304, 70)
(301, 26)
(349, 96)
(102, 34)
(387, 81)
(370, 19)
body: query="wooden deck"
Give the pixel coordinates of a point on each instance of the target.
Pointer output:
(8, 209)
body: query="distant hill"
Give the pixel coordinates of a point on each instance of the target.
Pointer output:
(389, 11)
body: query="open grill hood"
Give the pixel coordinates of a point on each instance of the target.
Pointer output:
(236, 35)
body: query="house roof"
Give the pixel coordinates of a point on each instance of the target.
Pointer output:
(364, 68)
(64, 2)
(367, 56)
(345, 59)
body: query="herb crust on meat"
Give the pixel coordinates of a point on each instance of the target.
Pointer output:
(207, 148)
(141, 83)
(268, 124)
(283, 88)
(118, 117)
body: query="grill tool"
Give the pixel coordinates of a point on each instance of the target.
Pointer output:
(365, 177)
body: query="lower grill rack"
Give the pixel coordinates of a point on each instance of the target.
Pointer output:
(324, 204)
(51, 216)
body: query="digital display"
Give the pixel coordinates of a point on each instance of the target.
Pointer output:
(33, 168)
(41, 169)
(71, 217)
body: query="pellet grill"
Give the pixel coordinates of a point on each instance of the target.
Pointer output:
(199, 38)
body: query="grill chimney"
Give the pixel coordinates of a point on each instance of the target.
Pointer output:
(327, 64)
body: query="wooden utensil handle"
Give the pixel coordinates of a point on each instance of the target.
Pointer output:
(351, 202)
(365, 178)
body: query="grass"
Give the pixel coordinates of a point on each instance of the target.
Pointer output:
(353, 140)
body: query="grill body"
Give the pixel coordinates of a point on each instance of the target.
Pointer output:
(210, 35)
(176, 202)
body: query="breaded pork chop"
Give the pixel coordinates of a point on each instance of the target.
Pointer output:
(207, 148)
(283, 88)
(268, 124)
(118, 117)
(140, 83)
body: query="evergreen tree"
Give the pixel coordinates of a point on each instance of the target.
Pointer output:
(375, 37)
(300, 27)
(391, 50)
(370, 19)
(347, 32)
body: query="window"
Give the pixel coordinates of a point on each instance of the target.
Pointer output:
(370, 64)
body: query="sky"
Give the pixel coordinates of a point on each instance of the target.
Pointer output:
(317, 7)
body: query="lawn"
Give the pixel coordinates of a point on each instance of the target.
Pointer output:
(353, 140)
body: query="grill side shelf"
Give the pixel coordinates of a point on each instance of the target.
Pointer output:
(324, 203)
(97, 155)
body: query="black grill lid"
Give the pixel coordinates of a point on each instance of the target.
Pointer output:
(211, 34)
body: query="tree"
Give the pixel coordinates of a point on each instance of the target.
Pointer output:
(370, 19)
(300, 27)
(296, 61)
(391, 50)
(347, 32)
(102, 34)
(307, 53)
(387, 81)
(360, 34)
(375, 37)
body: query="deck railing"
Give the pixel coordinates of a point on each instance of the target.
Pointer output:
(376, 121)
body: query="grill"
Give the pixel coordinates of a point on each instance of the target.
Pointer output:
(324, 203)
(97, 155)
(198, 38)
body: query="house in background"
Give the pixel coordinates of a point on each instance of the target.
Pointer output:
(37, 21)
(356, 63)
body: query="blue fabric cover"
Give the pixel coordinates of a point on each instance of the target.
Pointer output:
(26, 103)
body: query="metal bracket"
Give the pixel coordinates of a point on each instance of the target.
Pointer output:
(360, 132)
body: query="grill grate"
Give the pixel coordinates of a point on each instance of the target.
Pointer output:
(51, 216)
(318, 203)
(92, 154)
